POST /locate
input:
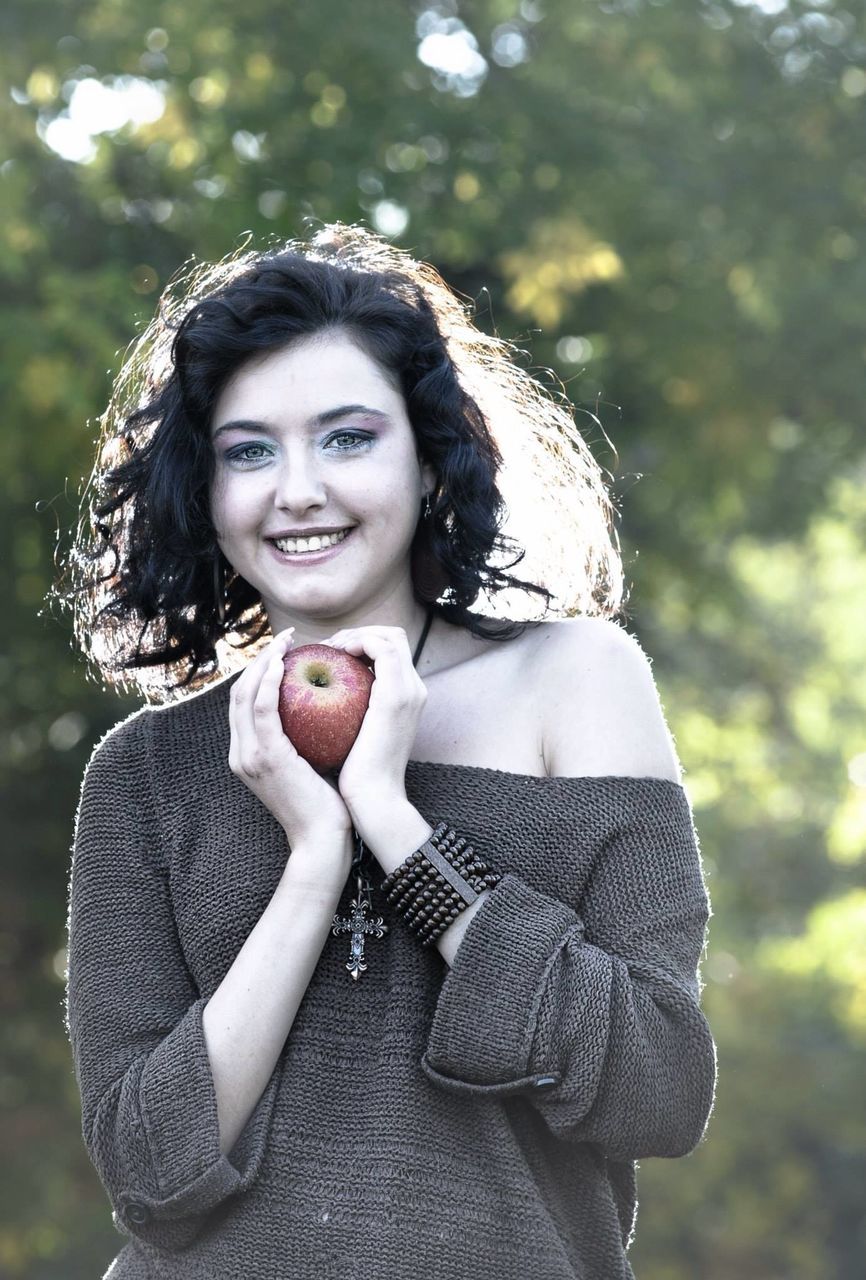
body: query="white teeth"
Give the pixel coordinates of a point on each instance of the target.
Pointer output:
(294, 546)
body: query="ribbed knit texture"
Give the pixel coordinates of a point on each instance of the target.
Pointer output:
(480, 1122)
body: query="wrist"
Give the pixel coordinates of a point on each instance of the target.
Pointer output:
(319, 864)
(440, 889)
(328, 837)
(392, 832)
(448, 942)
(307, 888)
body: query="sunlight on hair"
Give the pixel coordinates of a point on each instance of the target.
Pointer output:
(558, 517)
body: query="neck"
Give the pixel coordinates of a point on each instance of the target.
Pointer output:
(309, 630)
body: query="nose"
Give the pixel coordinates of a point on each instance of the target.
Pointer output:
(299, 484)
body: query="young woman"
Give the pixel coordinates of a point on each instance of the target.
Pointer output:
(421, 1018)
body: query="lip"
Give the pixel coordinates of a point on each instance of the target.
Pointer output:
(310, 557)
(308, 533)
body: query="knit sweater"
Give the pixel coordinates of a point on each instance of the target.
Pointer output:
(467, 1123)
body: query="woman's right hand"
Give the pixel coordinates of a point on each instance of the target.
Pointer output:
(307, 806)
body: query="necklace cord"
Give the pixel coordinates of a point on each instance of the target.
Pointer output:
(427, 624)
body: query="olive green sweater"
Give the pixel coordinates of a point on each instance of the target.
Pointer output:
(480, 1121)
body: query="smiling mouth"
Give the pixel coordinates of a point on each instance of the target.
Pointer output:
(305, 546)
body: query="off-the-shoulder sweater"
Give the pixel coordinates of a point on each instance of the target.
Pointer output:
(477, 1122)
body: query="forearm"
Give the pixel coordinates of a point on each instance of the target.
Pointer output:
(247, 1019)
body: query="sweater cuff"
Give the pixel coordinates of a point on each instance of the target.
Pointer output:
(484, 1024)
(173, 1221)
(178, 1109)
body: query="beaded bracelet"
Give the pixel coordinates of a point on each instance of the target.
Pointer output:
(436, 882)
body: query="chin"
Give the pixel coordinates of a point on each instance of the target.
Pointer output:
(312, 605)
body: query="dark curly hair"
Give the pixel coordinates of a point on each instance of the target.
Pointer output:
(140, 575)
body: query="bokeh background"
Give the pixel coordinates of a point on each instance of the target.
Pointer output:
(663, 203)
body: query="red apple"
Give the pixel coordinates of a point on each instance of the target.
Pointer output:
(324, 695)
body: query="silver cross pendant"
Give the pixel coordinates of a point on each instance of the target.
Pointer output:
(357, 924)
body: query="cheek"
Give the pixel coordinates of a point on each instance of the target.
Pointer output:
(230, 507)
(401, 480)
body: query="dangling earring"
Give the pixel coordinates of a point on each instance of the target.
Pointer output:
(219, 589)
(428, 573)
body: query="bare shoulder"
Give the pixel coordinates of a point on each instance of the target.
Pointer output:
(606, 717)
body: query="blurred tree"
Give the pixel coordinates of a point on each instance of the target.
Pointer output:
(664, 200)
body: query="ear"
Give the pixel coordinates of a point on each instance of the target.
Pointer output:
(429, 478)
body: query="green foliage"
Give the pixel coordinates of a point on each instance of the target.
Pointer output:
(664, 201)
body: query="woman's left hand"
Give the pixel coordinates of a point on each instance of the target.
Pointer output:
(373, 776)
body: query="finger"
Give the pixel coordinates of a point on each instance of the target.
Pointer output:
(358, 639)
(261, 741)
(245, 687)
(395, 675)
(266, 720)
(375, 641)
(249, 684)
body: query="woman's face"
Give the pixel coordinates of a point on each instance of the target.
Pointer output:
(308, 438)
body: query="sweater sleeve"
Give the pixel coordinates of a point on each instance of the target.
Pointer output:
(134, 1017)
(594, 1017)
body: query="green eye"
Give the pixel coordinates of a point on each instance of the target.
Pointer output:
(247, 453)
(356, 440)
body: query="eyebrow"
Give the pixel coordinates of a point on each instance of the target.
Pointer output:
(318, 420)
